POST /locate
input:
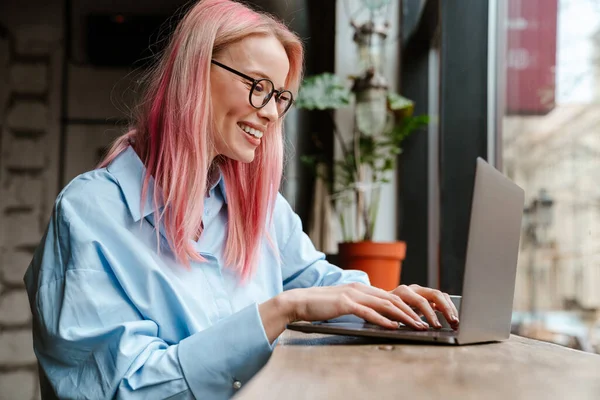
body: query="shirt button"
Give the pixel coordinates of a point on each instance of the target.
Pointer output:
(237, 385)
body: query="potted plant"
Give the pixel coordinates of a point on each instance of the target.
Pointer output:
(383, 120)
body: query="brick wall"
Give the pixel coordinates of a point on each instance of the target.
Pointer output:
(30, 59)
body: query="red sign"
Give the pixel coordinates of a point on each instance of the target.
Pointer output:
(531, 56)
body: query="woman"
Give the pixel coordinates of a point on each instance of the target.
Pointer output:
(170, 270)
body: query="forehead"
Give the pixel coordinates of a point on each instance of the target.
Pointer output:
(259, 55)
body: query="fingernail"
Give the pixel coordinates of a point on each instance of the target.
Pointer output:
(437, 324)
(454, 318)
(424, 324)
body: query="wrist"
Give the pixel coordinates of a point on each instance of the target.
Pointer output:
(276, 313)
(286, 304)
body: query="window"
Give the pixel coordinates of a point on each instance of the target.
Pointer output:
(550, 140)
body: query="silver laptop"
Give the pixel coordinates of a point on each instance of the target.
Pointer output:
(489, 280)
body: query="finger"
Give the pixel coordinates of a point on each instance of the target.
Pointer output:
(398, 302)
(454, 310)
(414, 299)
(439, 308)
(370, 315)
(442, 301)
(452, 304)
(395, 299)
(392, 308)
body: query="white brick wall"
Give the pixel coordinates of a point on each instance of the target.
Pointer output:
(15, 348)
(38, 39)
(29, 126)
(21, 229)
(14, 263)
(29, 78)
(14, 308)
(22, 191)
(24, 154)
(28, 115)
(4, 75)
(17, 385)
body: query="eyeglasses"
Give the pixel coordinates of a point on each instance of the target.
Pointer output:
(262, 90)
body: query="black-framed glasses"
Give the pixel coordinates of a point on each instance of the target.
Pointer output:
(262, 90)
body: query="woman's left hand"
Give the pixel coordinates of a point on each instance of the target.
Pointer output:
(427, 301)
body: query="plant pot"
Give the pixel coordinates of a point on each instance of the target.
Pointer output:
(382, 261)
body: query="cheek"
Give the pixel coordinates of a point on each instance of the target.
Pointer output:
(228, 109)
(234, 112)
(239, 105)
(226, 117)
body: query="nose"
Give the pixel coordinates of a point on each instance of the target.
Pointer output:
(269, 111)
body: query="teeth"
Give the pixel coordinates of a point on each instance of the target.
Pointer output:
(252, 131)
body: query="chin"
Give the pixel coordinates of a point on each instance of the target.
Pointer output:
(246, 157)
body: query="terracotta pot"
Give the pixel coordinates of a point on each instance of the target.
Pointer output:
(382, 261)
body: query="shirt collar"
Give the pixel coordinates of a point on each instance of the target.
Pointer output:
(219, 182)
(222, 187)
(129, 170)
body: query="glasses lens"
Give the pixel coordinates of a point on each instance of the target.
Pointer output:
(284, 101)
(261, 93)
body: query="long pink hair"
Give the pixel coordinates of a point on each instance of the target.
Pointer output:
(173, 134)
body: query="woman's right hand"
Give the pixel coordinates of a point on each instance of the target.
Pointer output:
(372, 304)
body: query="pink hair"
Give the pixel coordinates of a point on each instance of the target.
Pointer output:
(171, 126)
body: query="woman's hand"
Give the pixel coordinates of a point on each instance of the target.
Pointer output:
(427, 301)
(322, 303)
(369, 303)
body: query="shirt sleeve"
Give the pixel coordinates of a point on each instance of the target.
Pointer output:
(302, 264)
(92, 342)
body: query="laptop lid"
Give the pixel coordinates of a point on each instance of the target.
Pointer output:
(491, 259)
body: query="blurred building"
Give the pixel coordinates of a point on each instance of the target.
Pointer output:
(560, 152)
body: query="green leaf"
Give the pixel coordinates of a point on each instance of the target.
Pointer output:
(400, 105)
(406, 126)
(368, 147)
(323, 92)
(308, 160)
(388, 165)
(378, 153)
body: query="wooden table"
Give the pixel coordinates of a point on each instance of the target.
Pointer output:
(314, 366)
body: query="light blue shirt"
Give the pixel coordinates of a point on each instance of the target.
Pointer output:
(112, 317)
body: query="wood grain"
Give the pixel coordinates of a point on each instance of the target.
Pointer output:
(313, 366)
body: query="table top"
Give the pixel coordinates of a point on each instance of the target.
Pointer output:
(315, 366)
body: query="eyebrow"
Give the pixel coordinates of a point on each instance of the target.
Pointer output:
(261, 75)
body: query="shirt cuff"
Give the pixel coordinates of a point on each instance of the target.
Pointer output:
(232, 350)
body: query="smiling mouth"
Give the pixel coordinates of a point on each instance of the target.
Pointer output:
(250, 131)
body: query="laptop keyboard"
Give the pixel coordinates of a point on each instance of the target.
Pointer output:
(443, 332)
